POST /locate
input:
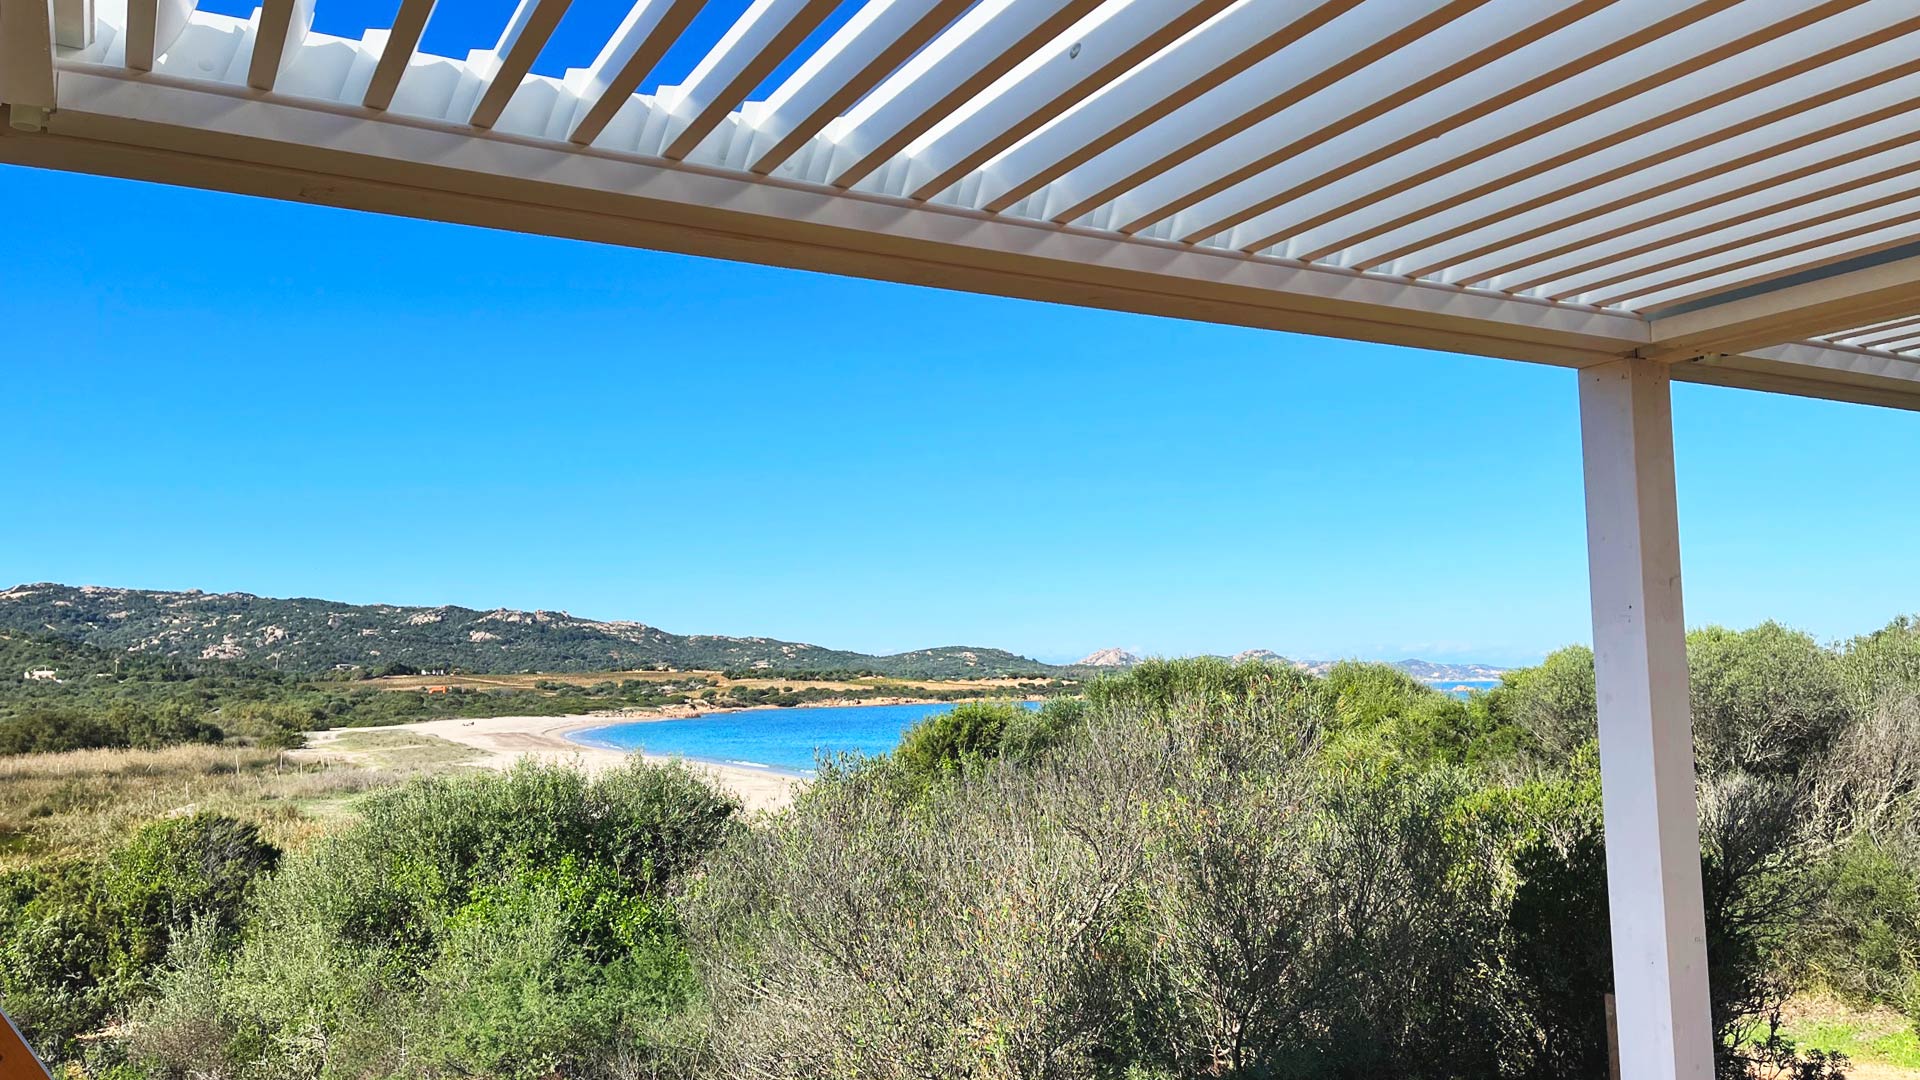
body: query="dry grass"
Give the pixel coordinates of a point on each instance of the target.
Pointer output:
(388, 749)
(79, 804)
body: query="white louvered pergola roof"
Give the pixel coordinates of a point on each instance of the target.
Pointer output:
(1722, 184)
(1717, 191)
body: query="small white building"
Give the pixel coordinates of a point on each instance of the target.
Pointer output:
(41, 675)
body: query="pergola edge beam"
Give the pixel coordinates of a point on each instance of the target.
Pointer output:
(1789, 314)
(208, 134)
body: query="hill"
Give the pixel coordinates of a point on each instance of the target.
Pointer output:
(1423, 670)
(309, 636)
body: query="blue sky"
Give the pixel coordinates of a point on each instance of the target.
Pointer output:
(208, 391)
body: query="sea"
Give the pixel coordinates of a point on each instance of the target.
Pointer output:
(791, 741)
(788, 741)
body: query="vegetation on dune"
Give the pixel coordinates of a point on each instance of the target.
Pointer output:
(1199, 868)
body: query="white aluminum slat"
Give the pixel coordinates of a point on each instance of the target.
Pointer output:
(1480, 185)
(745, 54)
(1687, 146)
(396, 52)
(1115, 38)
(1526, 132)
(526, 33)
(282, 27)
(1573, 242)
(646, 33)
(152, 28)
(1352, 32)
(1868, 202)
(1532, 51)
(865, 50)
(987, 41)
(1238, 38)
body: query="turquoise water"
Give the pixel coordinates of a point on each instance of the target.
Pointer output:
(779, 740)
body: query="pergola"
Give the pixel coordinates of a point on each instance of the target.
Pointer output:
(1715, 191)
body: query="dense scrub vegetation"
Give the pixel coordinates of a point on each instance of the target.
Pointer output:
(102, 699)
(1199, 869)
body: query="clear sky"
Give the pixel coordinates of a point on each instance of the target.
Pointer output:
(207, 391)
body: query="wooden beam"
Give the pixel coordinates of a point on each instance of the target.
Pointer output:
(644, 36)
(152, 28)
(408, 24)
(1790, 314)
(520, 44)
(283, 26)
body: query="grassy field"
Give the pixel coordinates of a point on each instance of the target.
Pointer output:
(73, 805)
(1881, 1043)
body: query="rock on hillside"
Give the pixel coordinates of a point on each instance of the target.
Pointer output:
(1109, 658)
(307, 635)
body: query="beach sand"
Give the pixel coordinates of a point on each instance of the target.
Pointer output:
(504, 740)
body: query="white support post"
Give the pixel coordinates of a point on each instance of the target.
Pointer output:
(1646, 741)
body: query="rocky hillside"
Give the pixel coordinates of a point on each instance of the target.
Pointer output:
(317, 635)
(1424, 670)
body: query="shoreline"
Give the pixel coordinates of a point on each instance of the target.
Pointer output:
(504, 741)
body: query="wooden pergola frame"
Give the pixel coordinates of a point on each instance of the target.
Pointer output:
(1714, 191)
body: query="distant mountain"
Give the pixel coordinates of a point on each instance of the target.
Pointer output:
(1264, 656)
(1423, 670)
(306, 635)
(1428, 671)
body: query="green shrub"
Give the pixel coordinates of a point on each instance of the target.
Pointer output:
(944, 743)
(518, 924)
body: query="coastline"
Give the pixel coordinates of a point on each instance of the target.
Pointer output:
(503, 741)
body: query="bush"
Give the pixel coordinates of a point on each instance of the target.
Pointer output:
(500, 925)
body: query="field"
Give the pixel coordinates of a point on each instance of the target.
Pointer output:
(78, 804)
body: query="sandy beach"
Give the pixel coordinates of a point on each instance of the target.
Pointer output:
(503, 740)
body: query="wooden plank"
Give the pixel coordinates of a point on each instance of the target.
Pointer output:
(17, 1060)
